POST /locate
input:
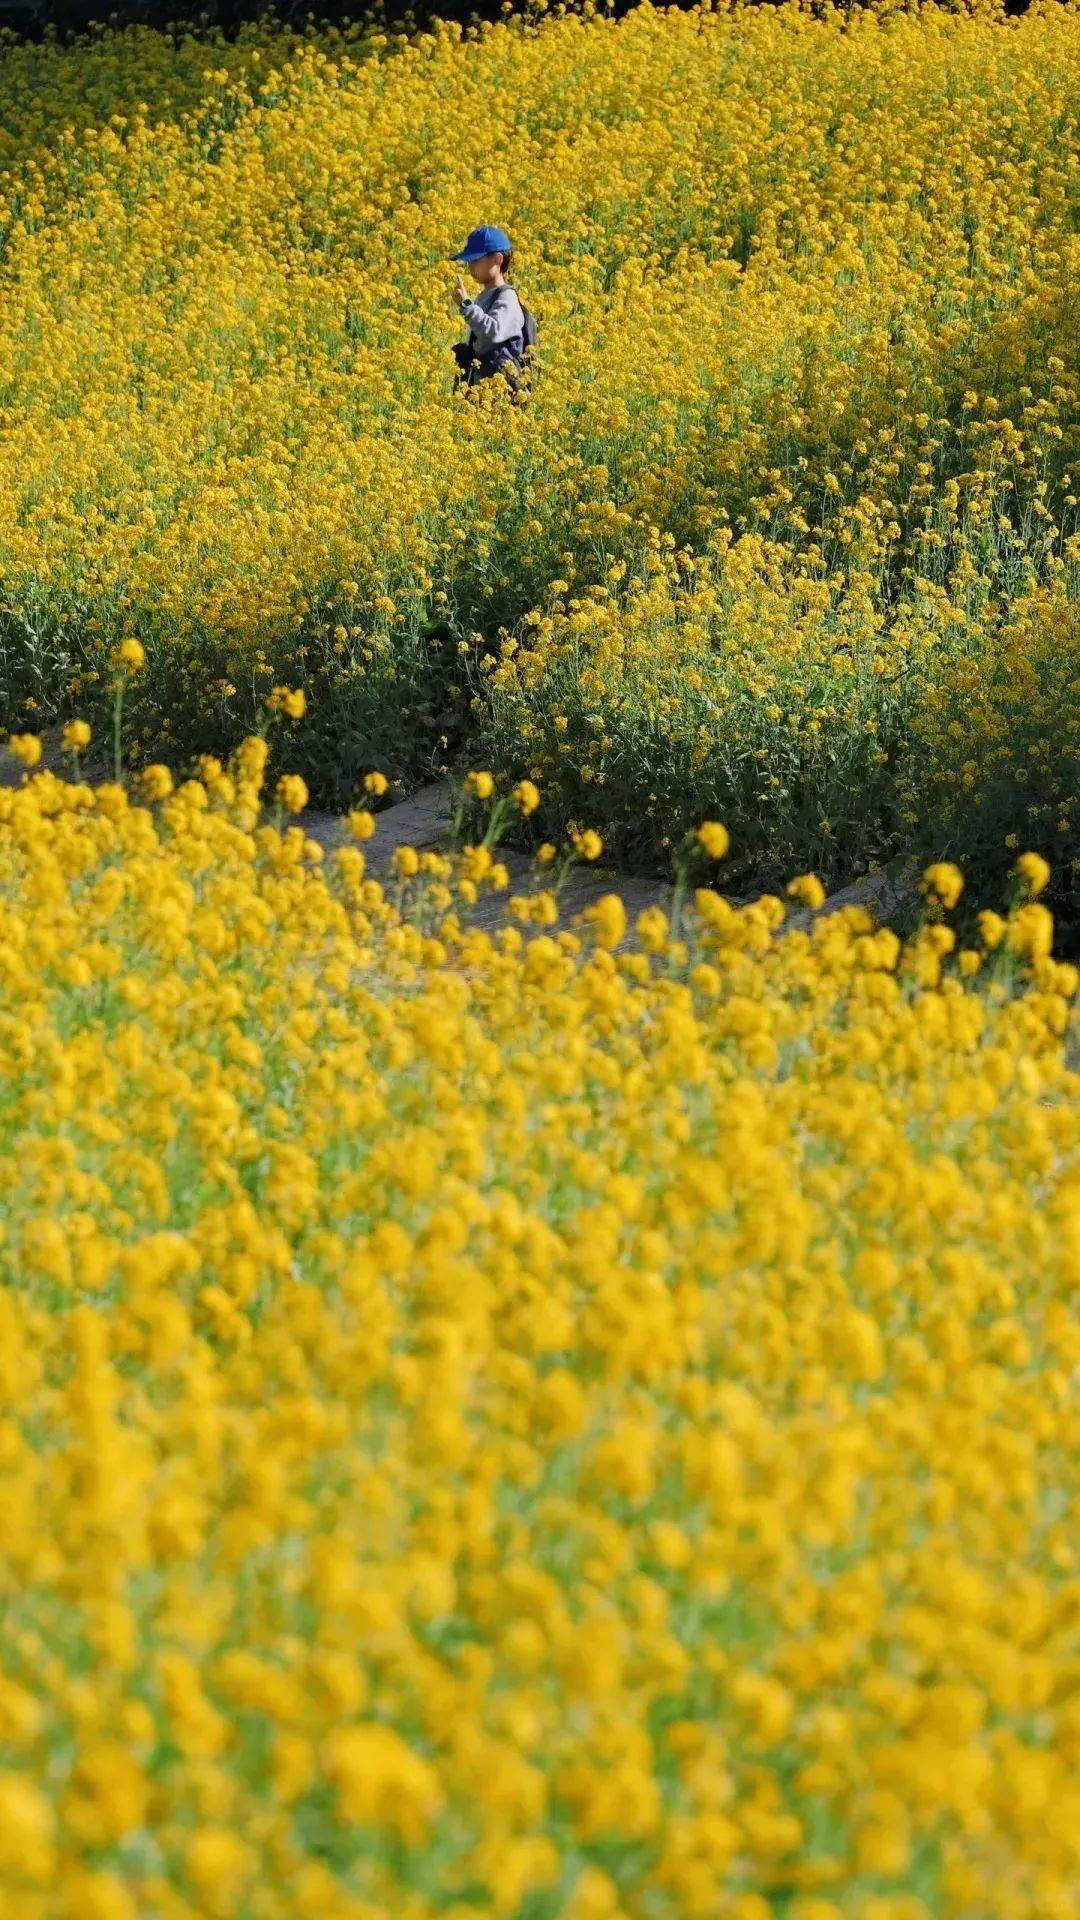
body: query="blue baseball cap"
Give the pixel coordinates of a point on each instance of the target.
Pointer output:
(481, 241)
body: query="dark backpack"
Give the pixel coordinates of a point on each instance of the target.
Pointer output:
(473, 366)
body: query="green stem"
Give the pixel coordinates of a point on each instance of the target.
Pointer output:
(565, 867)
(496, 824)
(118, 715)
(678, 901)
(681, 888)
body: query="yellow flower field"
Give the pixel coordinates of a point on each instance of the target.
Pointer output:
(806, 289)
(574, 1421)
(523, 1424)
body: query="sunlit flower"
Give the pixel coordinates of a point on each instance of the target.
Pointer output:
(713, 839)
(291, 793)
(944, 882)
(1033, 872)
(26, 748)
(156, 782)
(423, 1328)
(130, 655)
(512, 1406)
(291, 701)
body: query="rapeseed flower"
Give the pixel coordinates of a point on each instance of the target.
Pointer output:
(26, 748)
(291, 793)
(1033, 872)
(713, 839)
(291, 701)
(807, 889)
(787, 540)
(130, 655)
(540, 1414)
(155, 782)
(944, 882)
(500, 1416)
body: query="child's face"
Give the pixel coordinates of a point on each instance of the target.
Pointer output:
(485, 269)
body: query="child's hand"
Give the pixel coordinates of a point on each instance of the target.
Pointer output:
(461, 292)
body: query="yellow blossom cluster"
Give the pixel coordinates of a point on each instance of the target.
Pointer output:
(520, 1423)
(812, 331)
(777, 696)
(94, 89)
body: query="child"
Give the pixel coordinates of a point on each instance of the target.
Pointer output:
(496, 320)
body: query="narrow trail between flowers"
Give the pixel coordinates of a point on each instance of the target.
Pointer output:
(424, 821)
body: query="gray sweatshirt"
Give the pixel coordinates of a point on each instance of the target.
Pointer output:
(494, 317)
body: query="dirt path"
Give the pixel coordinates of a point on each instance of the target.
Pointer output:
(423, 821)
